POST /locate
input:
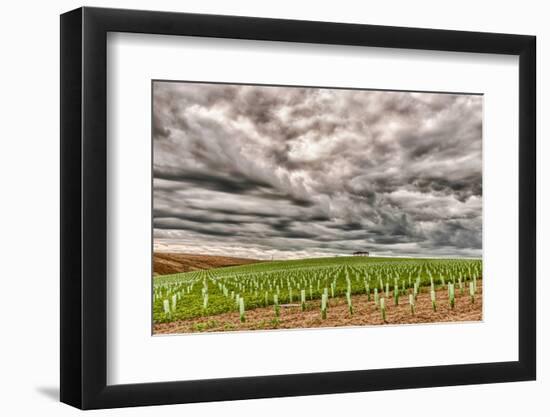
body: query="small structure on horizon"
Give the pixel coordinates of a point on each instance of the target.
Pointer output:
(361, 253)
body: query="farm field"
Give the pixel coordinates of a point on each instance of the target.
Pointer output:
(321, 292)
(165, 263)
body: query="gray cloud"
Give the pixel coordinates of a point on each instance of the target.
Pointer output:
(280, 171)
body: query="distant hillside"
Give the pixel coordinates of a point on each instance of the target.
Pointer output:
(171, 263)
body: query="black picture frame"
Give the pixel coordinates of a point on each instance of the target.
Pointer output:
(84, 207)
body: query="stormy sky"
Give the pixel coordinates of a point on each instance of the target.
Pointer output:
(285, 172)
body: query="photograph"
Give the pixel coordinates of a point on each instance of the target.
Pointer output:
(299, 207)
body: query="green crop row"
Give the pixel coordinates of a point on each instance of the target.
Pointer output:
(211, 292)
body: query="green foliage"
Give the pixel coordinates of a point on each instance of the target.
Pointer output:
(201, 327)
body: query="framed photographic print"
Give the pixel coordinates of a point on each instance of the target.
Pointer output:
(258, 207)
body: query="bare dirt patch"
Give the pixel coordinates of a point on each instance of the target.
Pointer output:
(172, 263)
(365, 313)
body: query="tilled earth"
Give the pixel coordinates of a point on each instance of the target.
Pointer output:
(364, 313)
(172, 263)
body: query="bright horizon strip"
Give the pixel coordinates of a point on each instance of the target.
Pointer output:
(341, 255)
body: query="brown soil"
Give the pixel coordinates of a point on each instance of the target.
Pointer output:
(364, 313)
(171, 263)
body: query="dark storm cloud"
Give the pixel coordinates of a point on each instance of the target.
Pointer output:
(236, 184)
(260, 171)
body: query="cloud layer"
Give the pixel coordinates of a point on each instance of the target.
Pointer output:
(287, 172)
